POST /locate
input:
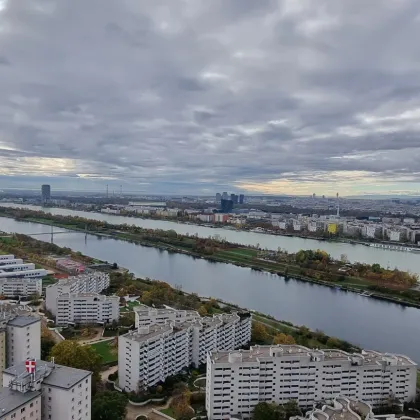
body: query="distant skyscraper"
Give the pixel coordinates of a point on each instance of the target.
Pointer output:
(226, 206)
(234, 198)
(225, 196)
(218, 198)
(241, 198)
(46, 193)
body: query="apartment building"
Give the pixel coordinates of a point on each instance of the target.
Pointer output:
(89, 282)
(23, 338)
(86, 308)
(7, 257)
(11, 261)
(24, 274)
(18, 405)
(17, 267)
(177, 340)
(346, 409)
(11, 287)
(65, 392)
(146, 315)
(237, 381)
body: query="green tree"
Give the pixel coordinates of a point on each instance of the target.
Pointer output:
(47, 343)
(71, 353)
(289, 409)
(265, 411)
(333, 342)
(109, 405)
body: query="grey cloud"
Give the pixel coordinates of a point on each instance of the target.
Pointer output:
(211, 93)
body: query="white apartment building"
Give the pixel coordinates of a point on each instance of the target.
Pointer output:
(86, 308)
(23, 338)
(11, 261)
(65, 392)
(89, 282)
(18, 405)
(237, 381)
(146, 315)
(11, 287)
(7, 257)
(370, 231)
(157, 350)
(26, 274)
(150, 354)
(17, 267)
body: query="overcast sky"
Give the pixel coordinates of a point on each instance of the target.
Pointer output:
(196, 96)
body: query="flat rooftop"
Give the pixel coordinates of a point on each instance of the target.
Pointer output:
(366, 357)
(146, 333)
(23, 321)
(54, 375)
(11, 400)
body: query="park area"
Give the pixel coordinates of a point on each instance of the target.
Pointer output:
(108, 350)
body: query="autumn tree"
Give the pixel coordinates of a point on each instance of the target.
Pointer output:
(71, 353)
(259, 332)
(283, 339)
(202, 310)
(181, 406)
(47, 342)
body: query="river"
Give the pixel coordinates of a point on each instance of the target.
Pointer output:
(403, 260)
(363, 321)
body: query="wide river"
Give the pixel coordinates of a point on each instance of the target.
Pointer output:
(403, 260)
(364, 321)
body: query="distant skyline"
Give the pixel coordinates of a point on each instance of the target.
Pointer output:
(194, 96)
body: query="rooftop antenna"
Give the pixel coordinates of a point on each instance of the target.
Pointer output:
(106, 190)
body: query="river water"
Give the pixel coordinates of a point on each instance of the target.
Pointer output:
(403, 260)
(363, 321)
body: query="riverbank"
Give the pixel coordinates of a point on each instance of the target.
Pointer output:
(233, 254)
(248, 228)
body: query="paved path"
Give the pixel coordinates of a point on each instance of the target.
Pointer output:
(107, 372)
(134, 411)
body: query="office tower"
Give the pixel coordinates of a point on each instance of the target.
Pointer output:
(226, 206)
(241, 198)
(218, 198)
(225, 195)
(46, 193)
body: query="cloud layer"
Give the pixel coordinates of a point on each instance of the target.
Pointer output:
(194, 95)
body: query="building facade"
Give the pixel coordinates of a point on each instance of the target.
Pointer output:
(45, 193)
(11, 287)
(166, 341)
(86, 308)
(238, 381)
(23, 339)
(65, 392)
(16, 405)
(89, 282)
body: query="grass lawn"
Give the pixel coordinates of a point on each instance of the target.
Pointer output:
(273, 323)
(104, 349)
(168, 412)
